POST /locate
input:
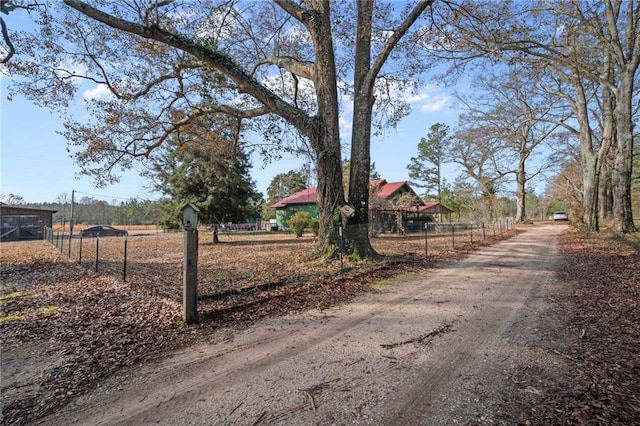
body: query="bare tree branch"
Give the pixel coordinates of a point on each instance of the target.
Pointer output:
(5, 36)
(294, 66)
(396, 36)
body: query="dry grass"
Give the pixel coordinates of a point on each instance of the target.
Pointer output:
(241, 260)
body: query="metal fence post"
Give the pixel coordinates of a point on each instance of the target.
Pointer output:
(124, 268)
(453, 236)
(97, 249)
(426, 242)
(341, 252)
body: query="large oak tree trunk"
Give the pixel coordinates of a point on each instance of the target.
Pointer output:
(589, 160)
(357, 229)
(325, 135)
(521, 194)
(605, 191)
(622, 210)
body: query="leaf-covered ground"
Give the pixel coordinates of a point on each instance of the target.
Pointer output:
(594, 328)
(65, 328)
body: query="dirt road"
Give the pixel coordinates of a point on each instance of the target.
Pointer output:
(434, 348)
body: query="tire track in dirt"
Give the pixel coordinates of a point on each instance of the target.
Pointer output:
(480, 350)
(330, 367)
(256, 350)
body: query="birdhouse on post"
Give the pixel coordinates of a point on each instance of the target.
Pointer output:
(190, 264)
(190, 216)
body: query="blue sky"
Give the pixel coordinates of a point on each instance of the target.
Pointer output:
(35, 163)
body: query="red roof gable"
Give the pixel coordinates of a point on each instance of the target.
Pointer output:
(389, 188)
(306, 196)
(430, 207)
(431, 204)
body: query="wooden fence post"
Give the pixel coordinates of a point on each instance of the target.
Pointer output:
(190, 276)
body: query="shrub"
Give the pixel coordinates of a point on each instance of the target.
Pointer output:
(298, 222)
(314, 224)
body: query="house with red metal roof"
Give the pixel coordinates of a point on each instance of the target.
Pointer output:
(389, 196)
(304, 200)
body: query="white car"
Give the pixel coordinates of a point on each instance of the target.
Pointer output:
(560, 216)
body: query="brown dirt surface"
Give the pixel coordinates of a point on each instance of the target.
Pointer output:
(593, 326)
(538, 329)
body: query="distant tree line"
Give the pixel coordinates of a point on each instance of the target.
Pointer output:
(88, 210)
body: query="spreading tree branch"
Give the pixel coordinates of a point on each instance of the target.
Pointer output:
(5, 36)
(218, 60)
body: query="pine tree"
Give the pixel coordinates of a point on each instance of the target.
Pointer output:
(426, 168)
(212, 175)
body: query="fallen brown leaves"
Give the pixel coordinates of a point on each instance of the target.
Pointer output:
(596, 321)
(65, 328)
(77, 327)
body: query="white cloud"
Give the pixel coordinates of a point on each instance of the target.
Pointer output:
(345, 125)
(100, 92)
(434, 103)
(429, 100)
(417, 98)
(75, 67)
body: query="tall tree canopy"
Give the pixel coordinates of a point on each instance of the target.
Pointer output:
(510, 107)
(589, 51)
(213, 177)
(267, 67)
(479, 152)
(426, 167)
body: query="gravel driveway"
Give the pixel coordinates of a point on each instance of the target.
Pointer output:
(434, 348)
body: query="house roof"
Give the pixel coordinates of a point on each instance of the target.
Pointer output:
(430, 207)
(14, 207)
(388, 189)
(308, 196)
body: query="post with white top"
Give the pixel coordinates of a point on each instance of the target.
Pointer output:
(190, 263)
